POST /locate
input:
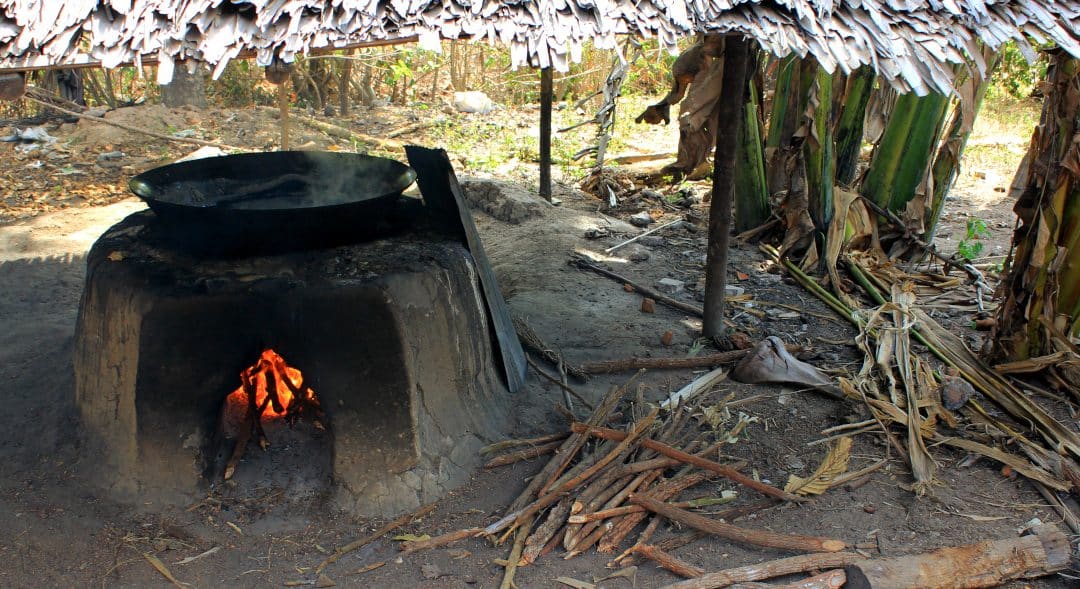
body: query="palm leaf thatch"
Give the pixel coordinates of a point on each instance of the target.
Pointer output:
(911, 43)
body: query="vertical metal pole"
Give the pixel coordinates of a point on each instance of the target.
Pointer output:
(545, 132)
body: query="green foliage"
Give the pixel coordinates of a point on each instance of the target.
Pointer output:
(1016, 77)
(241, 84)
(971, 245)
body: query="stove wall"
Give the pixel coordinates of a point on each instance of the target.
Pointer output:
(392, 335)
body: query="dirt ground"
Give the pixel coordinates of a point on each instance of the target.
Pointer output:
(55, 530)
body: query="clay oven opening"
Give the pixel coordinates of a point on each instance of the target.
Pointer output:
(346, 346)
(386, 346)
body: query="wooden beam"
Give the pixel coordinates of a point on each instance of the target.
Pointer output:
(545, 132)
(151, 58)
(732, 96)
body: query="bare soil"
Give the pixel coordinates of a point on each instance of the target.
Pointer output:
(55, 530)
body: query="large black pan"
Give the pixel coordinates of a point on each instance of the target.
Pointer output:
(277, 201)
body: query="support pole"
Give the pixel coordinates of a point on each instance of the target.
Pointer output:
(545, 132)
(732, 97)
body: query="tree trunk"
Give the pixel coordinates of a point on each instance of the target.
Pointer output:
(732, 99)
(1042, 287)
(185, 89)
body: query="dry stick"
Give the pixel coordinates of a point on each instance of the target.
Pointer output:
(639, 428)
(724, 471)
(670, 562)
(770, 569)
(105, 121)
(796, 543)
(533, 342)
(441, 540)
(379, 533)
(526, 454)
(706, 361)
(662, 492)
(649, 292)
(640, 235)
(553, 469)
(543, 534)
(643, 538)
(596, 495)
(647, 465)
(515, 555)
(628, 509)
(562, 385)
(507, 444)
(640, 482)
(588, 541)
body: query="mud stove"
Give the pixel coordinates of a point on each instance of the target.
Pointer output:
(366, 367)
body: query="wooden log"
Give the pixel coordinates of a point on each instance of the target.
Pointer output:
(545, 132)
(724, 471)
(834, 579)
(792, 542)
(729, 107)
(520, 455)
(514, 443)
(543, 534)
(668, 561)
(986, 564)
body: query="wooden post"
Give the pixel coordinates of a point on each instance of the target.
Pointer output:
(736, 56)
(545, 132)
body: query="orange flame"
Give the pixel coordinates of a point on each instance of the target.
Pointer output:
(267, 379)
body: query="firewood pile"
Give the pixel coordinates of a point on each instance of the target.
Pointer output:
(608, 488)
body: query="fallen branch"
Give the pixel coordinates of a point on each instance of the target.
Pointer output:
(515, 555)
(770, 569)
(104, 121)
(526, 454)
(706, 361)
(640, 235)
(533, 342)
(507, 444)
(565, 387)
(668, 561)
(724, 471)
(656, 295)
(796, 543)
(379, 533)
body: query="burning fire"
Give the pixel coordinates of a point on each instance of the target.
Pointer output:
(269, 389)
(276, 387)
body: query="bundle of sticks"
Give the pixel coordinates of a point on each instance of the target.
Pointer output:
(603, 484)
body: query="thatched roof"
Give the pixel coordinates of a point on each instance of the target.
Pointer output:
(912, 43)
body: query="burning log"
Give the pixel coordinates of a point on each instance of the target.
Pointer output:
(269, 389)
